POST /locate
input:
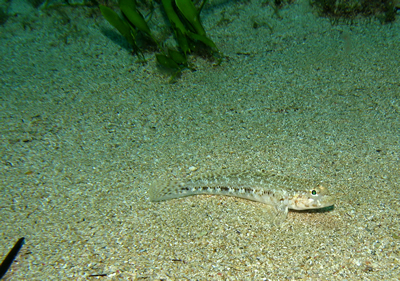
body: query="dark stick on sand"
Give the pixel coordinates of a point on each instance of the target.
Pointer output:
(5, 265)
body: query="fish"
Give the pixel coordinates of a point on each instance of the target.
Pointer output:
(282, 192)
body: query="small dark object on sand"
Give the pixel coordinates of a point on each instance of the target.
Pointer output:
(5, 265)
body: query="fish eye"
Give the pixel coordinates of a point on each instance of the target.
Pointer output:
(313, 192)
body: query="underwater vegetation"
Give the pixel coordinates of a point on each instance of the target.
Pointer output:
(384, 10)
(3, 16)
(185, 25)
(184, 19)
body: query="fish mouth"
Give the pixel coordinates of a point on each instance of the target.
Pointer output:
(313, 203)
(327, 201)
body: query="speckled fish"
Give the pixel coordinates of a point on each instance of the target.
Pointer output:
(281, 192)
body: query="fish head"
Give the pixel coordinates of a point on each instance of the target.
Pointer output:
(315, 198)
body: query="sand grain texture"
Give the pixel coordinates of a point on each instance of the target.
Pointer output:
(84, 131)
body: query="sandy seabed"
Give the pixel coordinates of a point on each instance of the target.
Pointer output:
(85, 130)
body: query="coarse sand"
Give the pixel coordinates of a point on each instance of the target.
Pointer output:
(85, 130)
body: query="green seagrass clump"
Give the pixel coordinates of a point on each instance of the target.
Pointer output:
(186, 26)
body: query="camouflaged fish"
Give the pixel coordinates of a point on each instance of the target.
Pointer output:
(281, 192)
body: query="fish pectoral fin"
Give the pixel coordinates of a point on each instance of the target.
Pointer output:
(281, 212)
(282, 209)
